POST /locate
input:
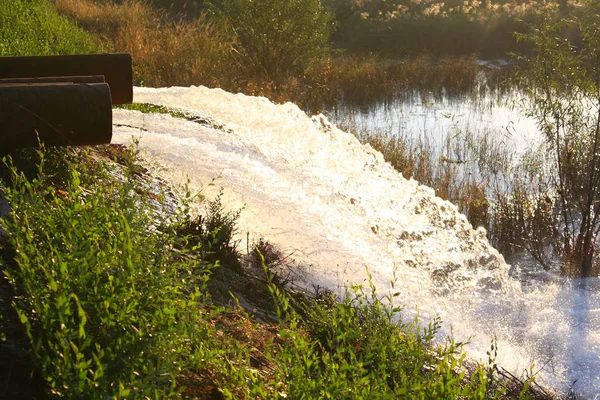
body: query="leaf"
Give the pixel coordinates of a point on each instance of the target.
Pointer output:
(22, 317)
(82, 316)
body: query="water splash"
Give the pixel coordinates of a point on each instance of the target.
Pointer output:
(333, 203)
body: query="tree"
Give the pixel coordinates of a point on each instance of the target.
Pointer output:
(563, 81)
(276, 38)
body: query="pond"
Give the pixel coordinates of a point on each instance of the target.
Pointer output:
(435, 117)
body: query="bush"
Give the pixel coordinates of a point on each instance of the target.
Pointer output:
(212, 236)
(276, 38)
(164, 52)
(562, 82)
(360, 349)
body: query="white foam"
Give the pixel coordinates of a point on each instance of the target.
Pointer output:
(316, 192)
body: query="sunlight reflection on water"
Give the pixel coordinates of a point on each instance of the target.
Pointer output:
(421, 115)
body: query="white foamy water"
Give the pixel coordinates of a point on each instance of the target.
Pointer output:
(339, 208)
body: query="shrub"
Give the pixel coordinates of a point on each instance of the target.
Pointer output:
(359, 348)
(276, 38)
(563, 86)
(212, 235)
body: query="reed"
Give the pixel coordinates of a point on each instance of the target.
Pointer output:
(456, 27)
(168, 50)
(361, 79)
(458, 168)
(165, 52)
(480, 174)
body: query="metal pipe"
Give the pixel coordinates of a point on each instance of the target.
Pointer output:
(56, 79)
(116, 68)
(55, 114)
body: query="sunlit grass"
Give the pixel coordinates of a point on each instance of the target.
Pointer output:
(164, 52)
(36, 28)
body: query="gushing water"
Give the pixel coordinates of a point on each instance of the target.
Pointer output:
(340, 210)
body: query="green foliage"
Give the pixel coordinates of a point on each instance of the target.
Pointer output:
(36, 28)
(148, 108)
(276, 38)
(563, 85)
(359, 349)
(145, 108)
(212, 236)
(97, 288)
(523, 213)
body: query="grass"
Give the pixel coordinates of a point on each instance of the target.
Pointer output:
(104, 301)
(400, 28)
(459, 169)
(86, 271)
(451, 27)
(36, 28)
(164, 52)
(365, 79)
(147, 108)
(511, 197)
(170, 48)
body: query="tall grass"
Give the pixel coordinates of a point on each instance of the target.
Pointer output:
(165, 52)
(463, 168)
(191, 51)
(509, 194)
(96, 287)
(366, 79)
(357, 349)
(524, 214)
(400, 27)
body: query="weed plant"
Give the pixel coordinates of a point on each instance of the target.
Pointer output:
(275, 39)
(367, 79)
(202, 49)
(228, 49)
(463, 169)
(513, 198)
(212, 235)
(96, 288)
(359, 349)
(402, 27)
